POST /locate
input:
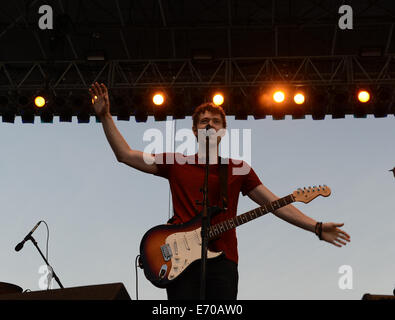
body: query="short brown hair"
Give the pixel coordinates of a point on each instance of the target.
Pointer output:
(211, 107)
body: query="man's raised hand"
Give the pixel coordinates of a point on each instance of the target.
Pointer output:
(333, 234)
(100, 101)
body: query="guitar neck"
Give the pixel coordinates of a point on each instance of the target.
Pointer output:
(219, 228)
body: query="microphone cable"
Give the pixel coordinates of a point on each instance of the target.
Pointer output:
(46, 255)
(137, 264)
(46, 251)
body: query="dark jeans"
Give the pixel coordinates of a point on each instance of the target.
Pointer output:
(221, 281)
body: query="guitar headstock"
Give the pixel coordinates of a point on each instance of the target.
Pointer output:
(307, 194)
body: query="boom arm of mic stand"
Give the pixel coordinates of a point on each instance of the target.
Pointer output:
(53, 272)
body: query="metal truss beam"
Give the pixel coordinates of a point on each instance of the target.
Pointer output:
(219, 73)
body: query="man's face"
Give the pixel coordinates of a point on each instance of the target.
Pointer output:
(215, 122)
(213, 119)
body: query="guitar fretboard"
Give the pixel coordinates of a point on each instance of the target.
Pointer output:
(219, 228)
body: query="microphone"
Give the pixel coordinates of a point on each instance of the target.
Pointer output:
(19, 246)
(208, 127)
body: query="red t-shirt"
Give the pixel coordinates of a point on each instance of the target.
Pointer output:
(186, 178)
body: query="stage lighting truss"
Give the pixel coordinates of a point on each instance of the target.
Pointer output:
(324, 75)
(296, 101)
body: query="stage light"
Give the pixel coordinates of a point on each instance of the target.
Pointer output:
(384, 102)
(371, 52)
(194, 97)
(259, 102)
(218, 99)
(278, 113)
(140, 107)
(46, 116)
(362, 103)
(239, 105)
(178, 105)
(3, 101)
(6, 111)
(202, 55)
(124, 113)
(158, 99)
(23, 100)
(279, 96)
(319, 101)
(81, 104)
(161, 104)
(39, 101)
(63, 108)
(96, 56)
(363, 96)
(299, 98)
(339, 104)
(26, 107)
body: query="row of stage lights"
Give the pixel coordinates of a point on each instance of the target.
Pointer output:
(278, 98)
(218, 99)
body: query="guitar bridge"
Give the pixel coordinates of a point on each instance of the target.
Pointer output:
(166, 252)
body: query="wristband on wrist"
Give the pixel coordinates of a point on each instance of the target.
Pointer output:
(318, 230)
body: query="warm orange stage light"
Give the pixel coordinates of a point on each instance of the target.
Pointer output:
(218, 99)
(158, 99)
(39, 101)
(279, 96)
(363, 96)
(299, 98)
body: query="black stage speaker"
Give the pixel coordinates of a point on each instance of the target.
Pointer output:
(111, 291)
(368, 296)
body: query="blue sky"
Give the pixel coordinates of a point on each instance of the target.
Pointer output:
(98, 209)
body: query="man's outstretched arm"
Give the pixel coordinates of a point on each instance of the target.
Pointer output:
(122, 151)
(330, 231)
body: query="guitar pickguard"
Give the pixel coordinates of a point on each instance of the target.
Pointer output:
(186, 247)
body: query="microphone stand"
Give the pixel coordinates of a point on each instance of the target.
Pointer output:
(205, 225)
(53, 272)
(206, 215)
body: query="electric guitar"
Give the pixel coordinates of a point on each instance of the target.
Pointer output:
(167, 250)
